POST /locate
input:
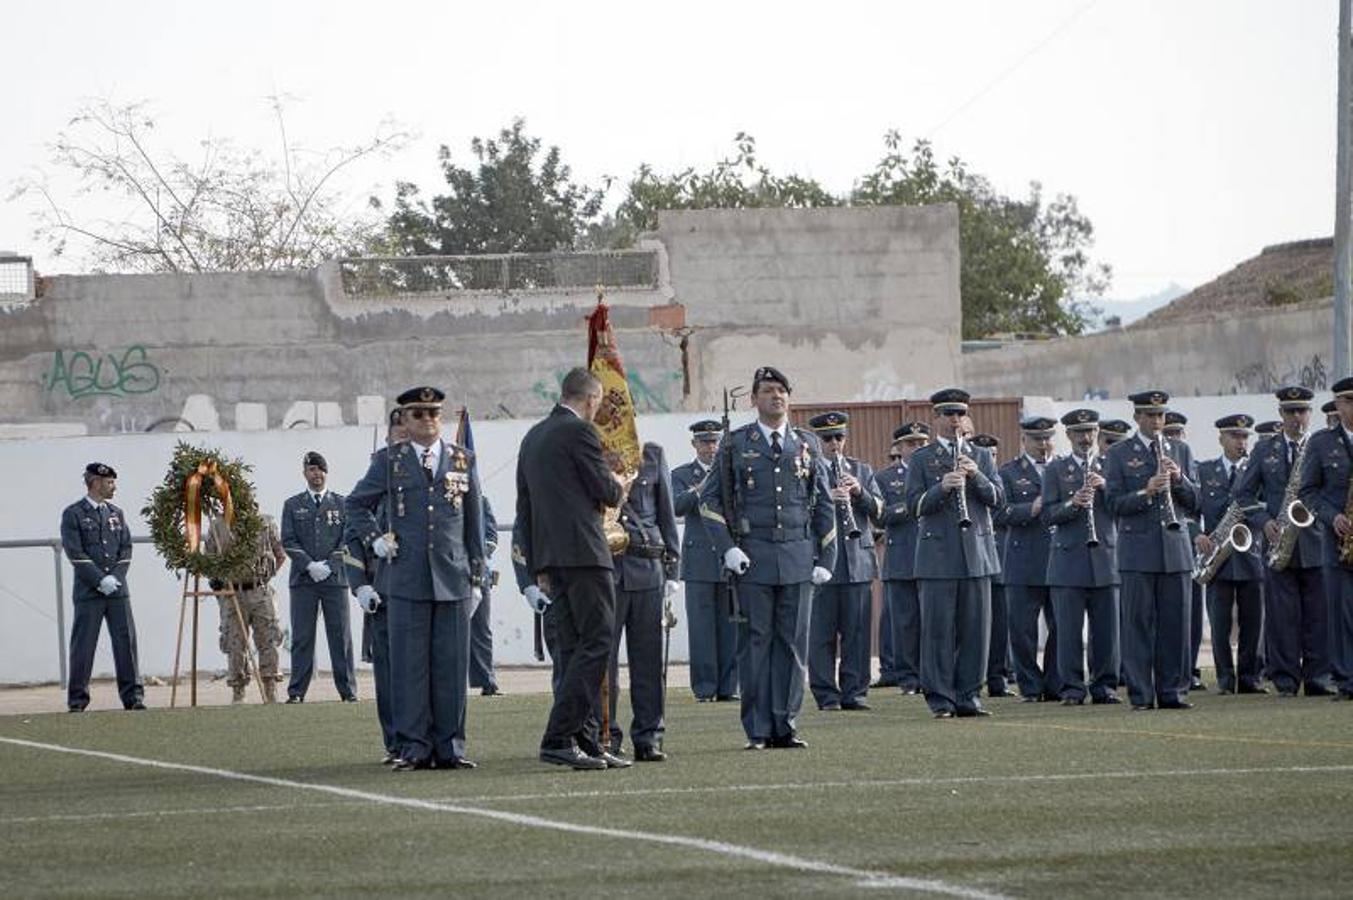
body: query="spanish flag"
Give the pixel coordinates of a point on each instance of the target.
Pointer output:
(615, 419)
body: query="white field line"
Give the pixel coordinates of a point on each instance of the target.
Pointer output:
(863, 877)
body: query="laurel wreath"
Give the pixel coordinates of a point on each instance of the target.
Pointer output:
(164, 511)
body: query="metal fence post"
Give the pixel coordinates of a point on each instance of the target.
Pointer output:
(60, 614)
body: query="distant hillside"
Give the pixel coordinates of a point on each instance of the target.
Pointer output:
(1281, 275)
(1129, 311)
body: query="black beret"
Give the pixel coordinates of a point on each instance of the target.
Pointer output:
(313, 458)
(770, 373)
(421, 396)
(707, 428)
(911, 430)
(1115, 427)
(1152, 401)
(1038, 426)
(1269, 427)
(1343, 387)
(1294, 396)
(829, 423)
(1329, 407)
(1235, 422)
(985, 440)
(1081, 419)
(101, 470)
(950, 399)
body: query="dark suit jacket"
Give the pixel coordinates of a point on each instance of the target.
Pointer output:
(562, 485)
(650, 521)
(1027, 539)
(97, 544)
(1070, 562)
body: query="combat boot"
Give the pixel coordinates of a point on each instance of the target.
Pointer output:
(269, 691)
(237, 693)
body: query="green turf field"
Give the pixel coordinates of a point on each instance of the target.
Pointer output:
(1243, 796)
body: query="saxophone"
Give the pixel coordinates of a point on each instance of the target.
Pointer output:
(1293, 516)
(1346, 545)
(1231, 535)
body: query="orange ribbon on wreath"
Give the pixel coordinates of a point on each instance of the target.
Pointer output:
(192, 501)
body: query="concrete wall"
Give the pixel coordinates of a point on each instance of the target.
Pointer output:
(852, 304)
(1253, 353)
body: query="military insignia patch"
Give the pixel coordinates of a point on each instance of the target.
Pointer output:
(1135, 463)
(456, 484)
(460, 460)
(114, 522)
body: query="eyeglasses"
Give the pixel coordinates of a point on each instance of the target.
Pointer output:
(953, 412)
(833, 438)
(894, 456)
(425, 413)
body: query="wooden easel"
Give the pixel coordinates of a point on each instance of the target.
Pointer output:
(196, 594)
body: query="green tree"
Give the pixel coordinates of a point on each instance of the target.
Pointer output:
(518, 198)
(1025, 264)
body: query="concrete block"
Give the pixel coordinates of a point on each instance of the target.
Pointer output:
(370, 409)
(251, 417)
(328, 414)
(301, 414)
(200, 410)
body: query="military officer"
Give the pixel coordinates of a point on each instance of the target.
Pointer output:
(841, 608)
(1234, 594)
(1295, 612)
(953, 487)
(999, 674)
(712, 633)
(776, 530)
(1024, 562)
(98, 543)
(250, 610)
(645, 577)
(1082, 564)
(899, 555)
(1267, 428)
(1326, 493)
(1175, 423)
(1111, 431)
(482, 674)
(1150, 490)
(312, 535)
(434, 550)
(1339, 665)
(1331, 410)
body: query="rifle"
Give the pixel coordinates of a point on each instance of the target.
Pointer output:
(728, 483)
(538, 636)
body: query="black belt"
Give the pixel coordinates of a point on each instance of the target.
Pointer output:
(646, 551)
(778, 533)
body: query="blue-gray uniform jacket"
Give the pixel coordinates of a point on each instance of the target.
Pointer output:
(1070, 562)
(1024, 554)
(490, 538)
(1324, 486)
(1144, 543)
(899, 522)
(1265, 481)
(97, 543)
(699, 558)
(1215, 497)
(437, 523)
(785, 521)
(648, 519)
(856, 562)
(311, 534)
(943, 550)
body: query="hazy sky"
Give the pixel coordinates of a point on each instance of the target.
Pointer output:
(1192, 133)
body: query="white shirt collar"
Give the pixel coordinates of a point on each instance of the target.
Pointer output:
(96, 505)
(320, 494)
(435, 447)
(1033, 462)
(767, 431)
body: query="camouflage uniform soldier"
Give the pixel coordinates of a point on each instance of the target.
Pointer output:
(256, 609)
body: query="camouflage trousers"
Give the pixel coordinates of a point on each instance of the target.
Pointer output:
(260, 617)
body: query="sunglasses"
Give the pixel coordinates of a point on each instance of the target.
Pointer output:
(833, 438)
(425, 413)
(894, 456)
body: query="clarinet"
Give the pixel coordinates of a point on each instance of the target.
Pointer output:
(1167, 512)
(1092, 536)
(843, 507)
(964, 520)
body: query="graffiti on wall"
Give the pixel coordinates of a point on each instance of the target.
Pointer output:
(80, 375)
(1265, 376)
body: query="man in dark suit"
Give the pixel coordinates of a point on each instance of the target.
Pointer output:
(1150, 488)
(1234, 592)
(1024, 562)
(98, 543)
(1082, 564)
(712, 633)
(312, 535)
(899, 555)
(955, 558)
(434, 551)
(562, 485)
(1325, 491)
(644, 576)
(841, 608)
(1295, 610)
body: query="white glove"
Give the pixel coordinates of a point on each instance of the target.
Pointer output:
(669, 616)
(382, 548)
(367, 598)
(108, 585)
(536, 599)
(736, 561)
(669, 589)
(319, 571)
(821, 575)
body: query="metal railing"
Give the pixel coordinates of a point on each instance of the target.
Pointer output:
(395, 276)
(16, 278)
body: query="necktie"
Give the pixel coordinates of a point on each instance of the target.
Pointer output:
(1291, 453)
(1231, 477)
(427, 462)
(315, 497)
(775, 449)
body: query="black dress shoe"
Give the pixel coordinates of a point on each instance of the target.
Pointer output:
(943, 714)
(571, 757)
(1143, 707)
(389, 757)
(1196, 684)
(855, 704)
(137, 705)
(972, 712)
(884, 682)
(1318, 690)
(1106, 698)
(346, 698)
(490, 690)
(648, 753)
(1226, 687)
(728, 698)
(1073, 701)
(459, 762)
(295, 698)
(1175, 704)
(755, 744)
(75, 709)
(1287, 693)
(910, 690)
(1252, 688)
(999, 692)
(789, 742)
(613, 761)
(410, 765)
(829, 707)
(1031, 698)
(704, 699)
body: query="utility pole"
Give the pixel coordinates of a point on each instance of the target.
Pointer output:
(1343, 200)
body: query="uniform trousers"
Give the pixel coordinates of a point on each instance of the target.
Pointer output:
(1196, 605)
(582, 620)
(482, 674)
(1295, 622)
(307, 602)
(998, 653)
(1024, 604)
(840, 614)
(90, 614)
(1240, 602)
(638, 614)
(713, 637)
(887, 648)
(429, 671)
(377, 627)
(1072, 606)
(1340, 582)
(255, 608)
(1335, 611)
(955, 638)
(904, 604)
(772, 654)
(1156, 607)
